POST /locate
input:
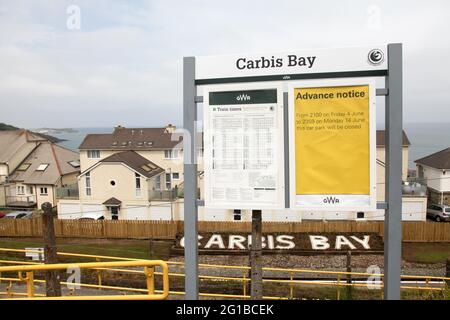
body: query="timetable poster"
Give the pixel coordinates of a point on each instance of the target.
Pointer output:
(244, 149)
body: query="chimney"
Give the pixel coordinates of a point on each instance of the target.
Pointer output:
(170, 128)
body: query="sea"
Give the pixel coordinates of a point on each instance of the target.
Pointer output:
(425, 138)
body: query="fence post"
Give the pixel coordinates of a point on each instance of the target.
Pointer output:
(52, 284)
(256, 253)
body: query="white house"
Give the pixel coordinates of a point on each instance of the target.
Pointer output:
(434, 170)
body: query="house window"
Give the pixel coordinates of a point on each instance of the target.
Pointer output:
(42, 167)
(138, 184)
(30, 190)
(24, 167)
(75, 163)
(88, 184)
(20, 190)
(44, 191)
(168, 181)
(93, 154)
(172, 154)
(360, 215)
(158, 183)
(237, 215)
(175, 175)
(114, 213)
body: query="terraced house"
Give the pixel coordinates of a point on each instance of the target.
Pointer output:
(32, 168)
(132, 173)
(137, 174)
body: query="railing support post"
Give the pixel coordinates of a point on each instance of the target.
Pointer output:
(30, 284)
(149, 275)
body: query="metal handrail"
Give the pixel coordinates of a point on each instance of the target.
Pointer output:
(340, 282)
(148, 271)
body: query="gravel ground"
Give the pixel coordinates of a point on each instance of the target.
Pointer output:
(360, 263)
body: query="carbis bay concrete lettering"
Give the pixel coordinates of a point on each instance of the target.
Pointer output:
(291, 241)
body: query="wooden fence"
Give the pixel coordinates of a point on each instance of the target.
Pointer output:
(133, 229)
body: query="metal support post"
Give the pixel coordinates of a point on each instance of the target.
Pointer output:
(394, 144)
(190, 179)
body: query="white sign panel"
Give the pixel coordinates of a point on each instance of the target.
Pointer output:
(243, 148)
(289, 65)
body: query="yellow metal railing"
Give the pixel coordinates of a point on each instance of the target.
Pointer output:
(148, 271)
(287, 277)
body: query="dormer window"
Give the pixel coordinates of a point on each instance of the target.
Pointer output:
(172, 154)
(75, 163)
(42, 167)
(93, 154)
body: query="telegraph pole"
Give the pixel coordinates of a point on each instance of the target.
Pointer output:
(52, 284)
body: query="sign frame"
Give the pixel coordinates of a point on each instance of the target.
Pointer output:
(393, 94)
(207, 160)
(342, 82)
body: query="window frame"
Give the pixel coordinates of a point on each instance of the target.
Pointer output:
(42, 167)
(173, 178)
(43, 193)
(93, 154)
(138, 184)
(169, 181)
(20, 190)
(88, 187)
(172, 154)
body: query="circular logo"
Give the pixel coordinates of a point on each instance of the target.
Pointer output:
(376, 56)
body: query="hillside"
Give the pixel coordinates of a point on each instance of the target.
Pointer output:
(5, 127)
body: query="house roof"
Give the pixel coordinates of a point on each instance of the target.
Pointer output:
(112, 202)
(54, 156)
(13, 142)
(136, 162)
(133, 139)
(438, 160)
(381, 138)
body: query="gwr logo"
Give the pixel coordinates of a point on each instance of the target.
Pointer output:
(331, 200)
(243, 97)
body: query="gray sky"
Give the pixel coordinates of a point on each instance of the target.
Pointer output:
(123, 66)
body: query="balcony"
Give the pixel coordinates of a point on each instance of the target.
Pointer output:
(68, 192)
(414, 188)
(168, 195)
(21, 201)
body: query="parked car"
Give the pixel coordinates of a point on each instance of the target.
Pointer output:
(92, 216)
(439, 212)
(19, 215)
(2, 215)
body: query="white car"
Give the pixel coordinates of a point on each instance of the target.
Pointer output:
(439, 212)
(92, 216)
(19, 215)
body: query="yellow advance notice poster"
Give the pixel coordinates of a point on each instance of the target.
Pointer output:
(332, 136)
